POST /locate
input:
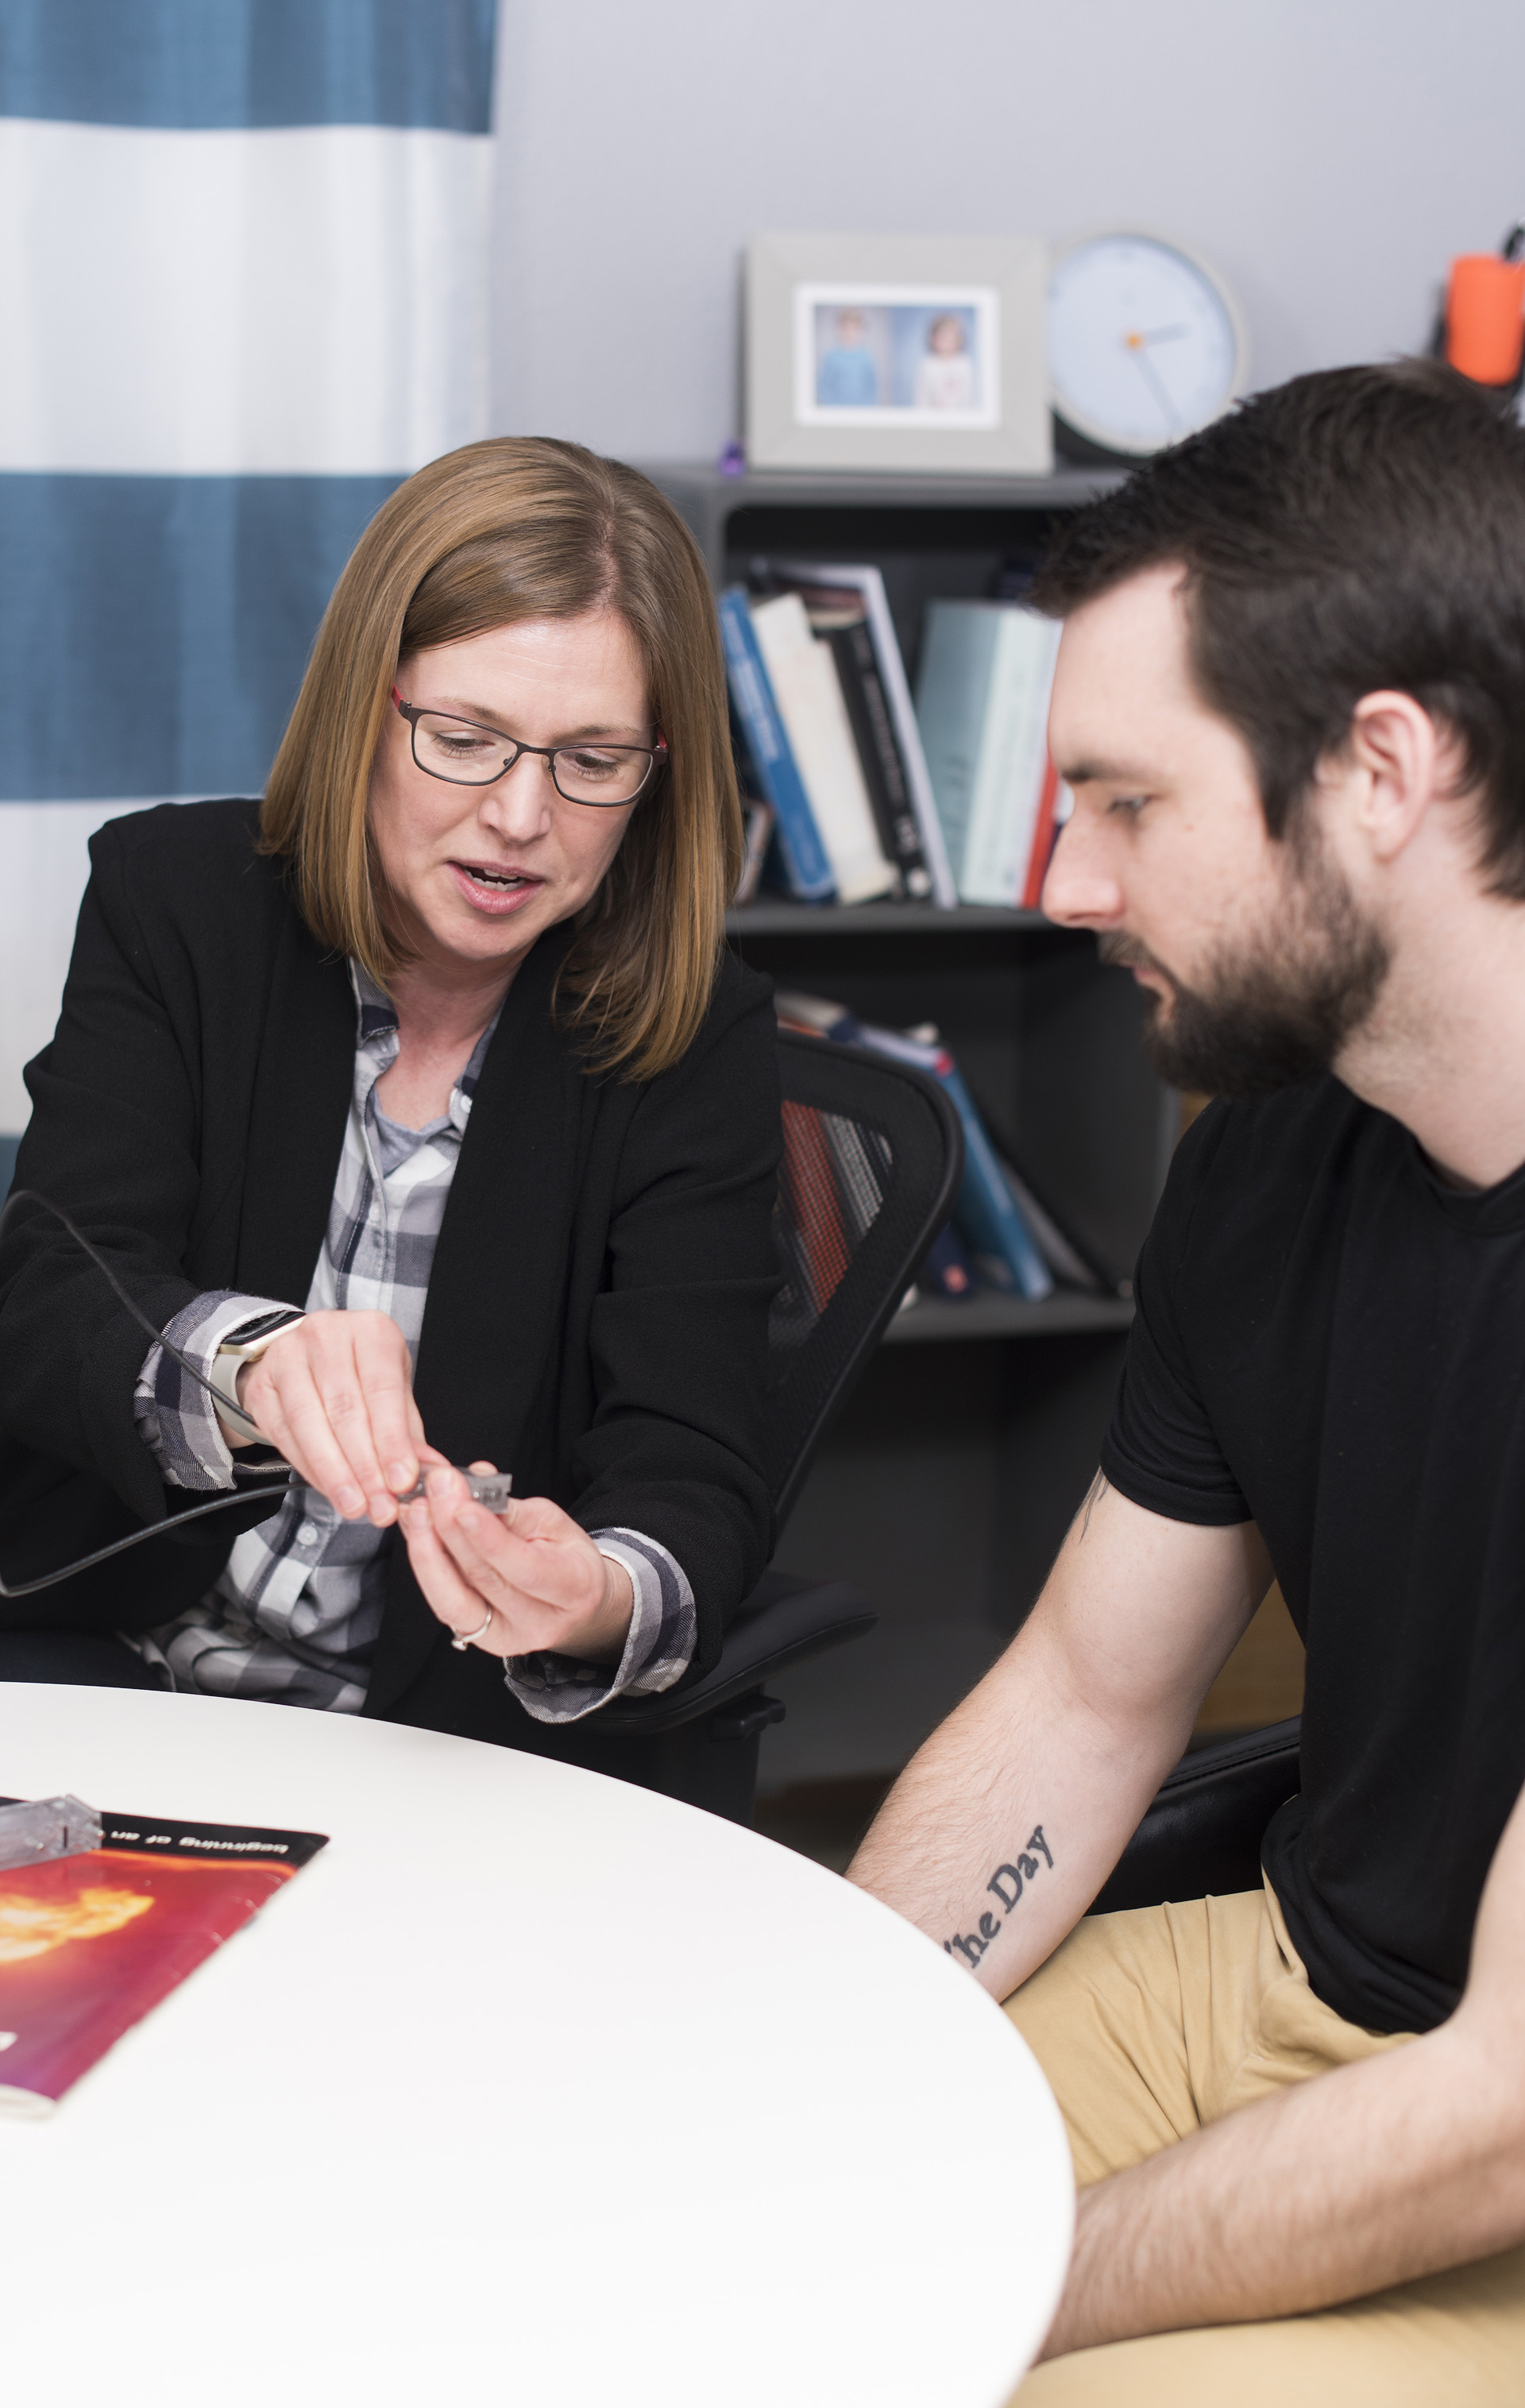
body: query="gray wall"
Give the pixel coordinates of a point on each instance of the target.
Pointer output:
(1329, 155)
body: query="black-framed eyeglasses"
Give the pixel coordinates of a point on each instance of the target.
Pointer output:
(606, 776)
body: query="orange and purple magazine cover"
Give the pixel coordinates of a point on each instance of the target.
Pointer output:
(90, 1942)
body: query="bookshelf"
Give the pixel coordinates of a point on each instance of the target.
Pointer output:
(948, 1484)
(774, 915)
(940, 1319)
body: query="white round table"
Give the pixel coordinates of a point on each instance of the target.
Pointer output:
(531, 2087)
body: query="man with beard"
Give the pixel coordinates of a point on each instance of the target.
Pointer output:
(1291, 702)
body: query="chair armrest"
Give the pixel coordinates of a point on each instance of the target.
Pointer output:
(1202, 1835)
(785, 1621)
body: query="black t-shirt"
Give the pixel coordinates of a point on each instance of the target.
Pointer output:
(1331, 1342)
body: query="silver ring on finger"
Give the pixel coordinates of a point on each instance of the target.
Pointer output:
(462, 1640)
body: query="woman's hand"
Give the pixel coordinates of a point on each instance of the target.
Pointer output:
(335, 1394)
(515, 1582)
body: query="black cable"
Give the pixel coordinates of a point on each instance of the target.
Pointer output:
(135, 1538)
(30, 1195)
(171, 1521)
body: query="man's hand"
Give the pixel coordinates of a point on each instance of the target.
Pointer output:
(1402, 2165)
(515, 1582)
(998, 1836)
(334, 1396)
(1002, 1829)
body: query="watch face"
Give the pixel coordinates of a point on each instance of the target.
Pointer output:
(264, 1324)
(1143, 342)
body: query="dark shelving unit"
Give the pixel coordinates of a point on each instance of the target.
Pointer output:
(948, 1484)
(775, 915)
(930, 536)
(934, 1320)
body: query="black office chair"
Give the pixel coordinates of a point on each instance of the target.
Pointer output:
(1203, 1833)
(873, 1155)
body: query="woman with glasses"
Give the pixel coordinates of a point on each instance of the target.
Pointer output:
(423, 1110)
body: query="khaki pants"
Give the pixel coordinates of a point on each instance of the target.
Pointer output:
(1151, 2024)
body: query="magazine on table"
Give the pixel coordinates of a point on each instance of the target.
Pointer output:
(91, 1941)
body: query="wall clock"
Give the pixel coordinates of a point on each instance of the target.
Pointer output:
(1145, 343)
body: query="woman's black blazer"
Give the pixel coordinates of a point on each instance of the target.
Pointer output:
(597, 1314)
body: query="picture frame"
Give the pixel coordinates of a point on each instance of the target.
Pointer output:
(915, 352)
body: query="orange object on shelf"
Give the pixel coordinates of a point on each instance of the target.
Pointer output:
(1485, 317)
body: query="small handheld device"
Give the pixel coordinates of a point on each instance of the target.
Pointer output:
(38, 1829)
(490, 1488)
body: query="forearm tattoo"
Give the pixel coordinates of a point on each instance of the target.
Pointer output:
(1006, 1882)
(1093, 1498)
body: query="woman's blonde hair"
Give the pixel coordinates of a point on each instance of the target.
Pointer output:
(521, 528)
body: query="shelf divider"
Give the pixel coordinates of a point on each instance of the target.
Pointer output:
(989, 1314)
(776, 916)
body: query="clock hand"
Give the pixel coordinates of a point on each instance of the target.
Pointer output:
(1160, 335)
(1152, 379)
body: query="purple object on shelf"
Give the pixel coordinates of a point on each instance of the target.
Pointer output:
(732, 460)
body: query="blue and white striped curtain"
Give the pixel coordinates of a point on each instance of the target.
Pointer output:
(242, 293)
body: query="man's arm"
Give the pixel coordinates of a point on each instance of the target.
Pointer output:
(1400, 2166)
(1370, 2175)
(1004, 1827)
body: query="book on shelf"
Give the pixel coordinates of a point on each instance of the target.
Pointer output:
(1013, 584)
(769, 760)
(903, 761)
(851, 648)
(91, 1941)
(1068, 1254)
(807, 692)
(1055, 803)
(987, 1214)
(947, 1271)
(982, 697)
(839, 620)
(757, 820)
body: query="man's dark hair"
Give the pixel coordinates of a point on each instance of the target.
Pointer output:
(1354, 530)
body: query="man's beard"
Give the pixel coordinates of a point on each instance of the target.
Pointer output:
(1272, 1013)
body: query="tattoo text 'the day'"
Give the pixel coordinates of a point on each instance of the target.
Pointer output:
(1006, 1883)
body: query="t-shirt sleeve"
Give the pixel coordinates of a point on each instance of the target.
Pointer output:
(1161, 1449)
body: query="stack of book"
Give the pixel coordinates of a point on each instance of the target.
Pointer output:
(857, 794)
(1001, 1235)
(827, 738)
(985, 673)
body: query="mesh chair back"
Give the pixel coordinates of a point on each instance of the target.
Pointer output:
(873, 1155)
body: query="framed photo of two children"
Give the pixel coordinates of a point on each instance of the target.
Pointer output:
(897, 351)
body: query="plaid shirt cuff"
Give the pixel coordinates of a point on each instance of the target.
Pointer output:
(659, 1645)
(177, 1420)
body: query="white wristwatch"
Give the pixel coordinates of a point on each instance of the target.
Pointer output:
(230, 1359)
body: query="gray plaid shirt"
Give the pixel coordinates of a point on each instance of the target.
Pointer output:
(295, 1613)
